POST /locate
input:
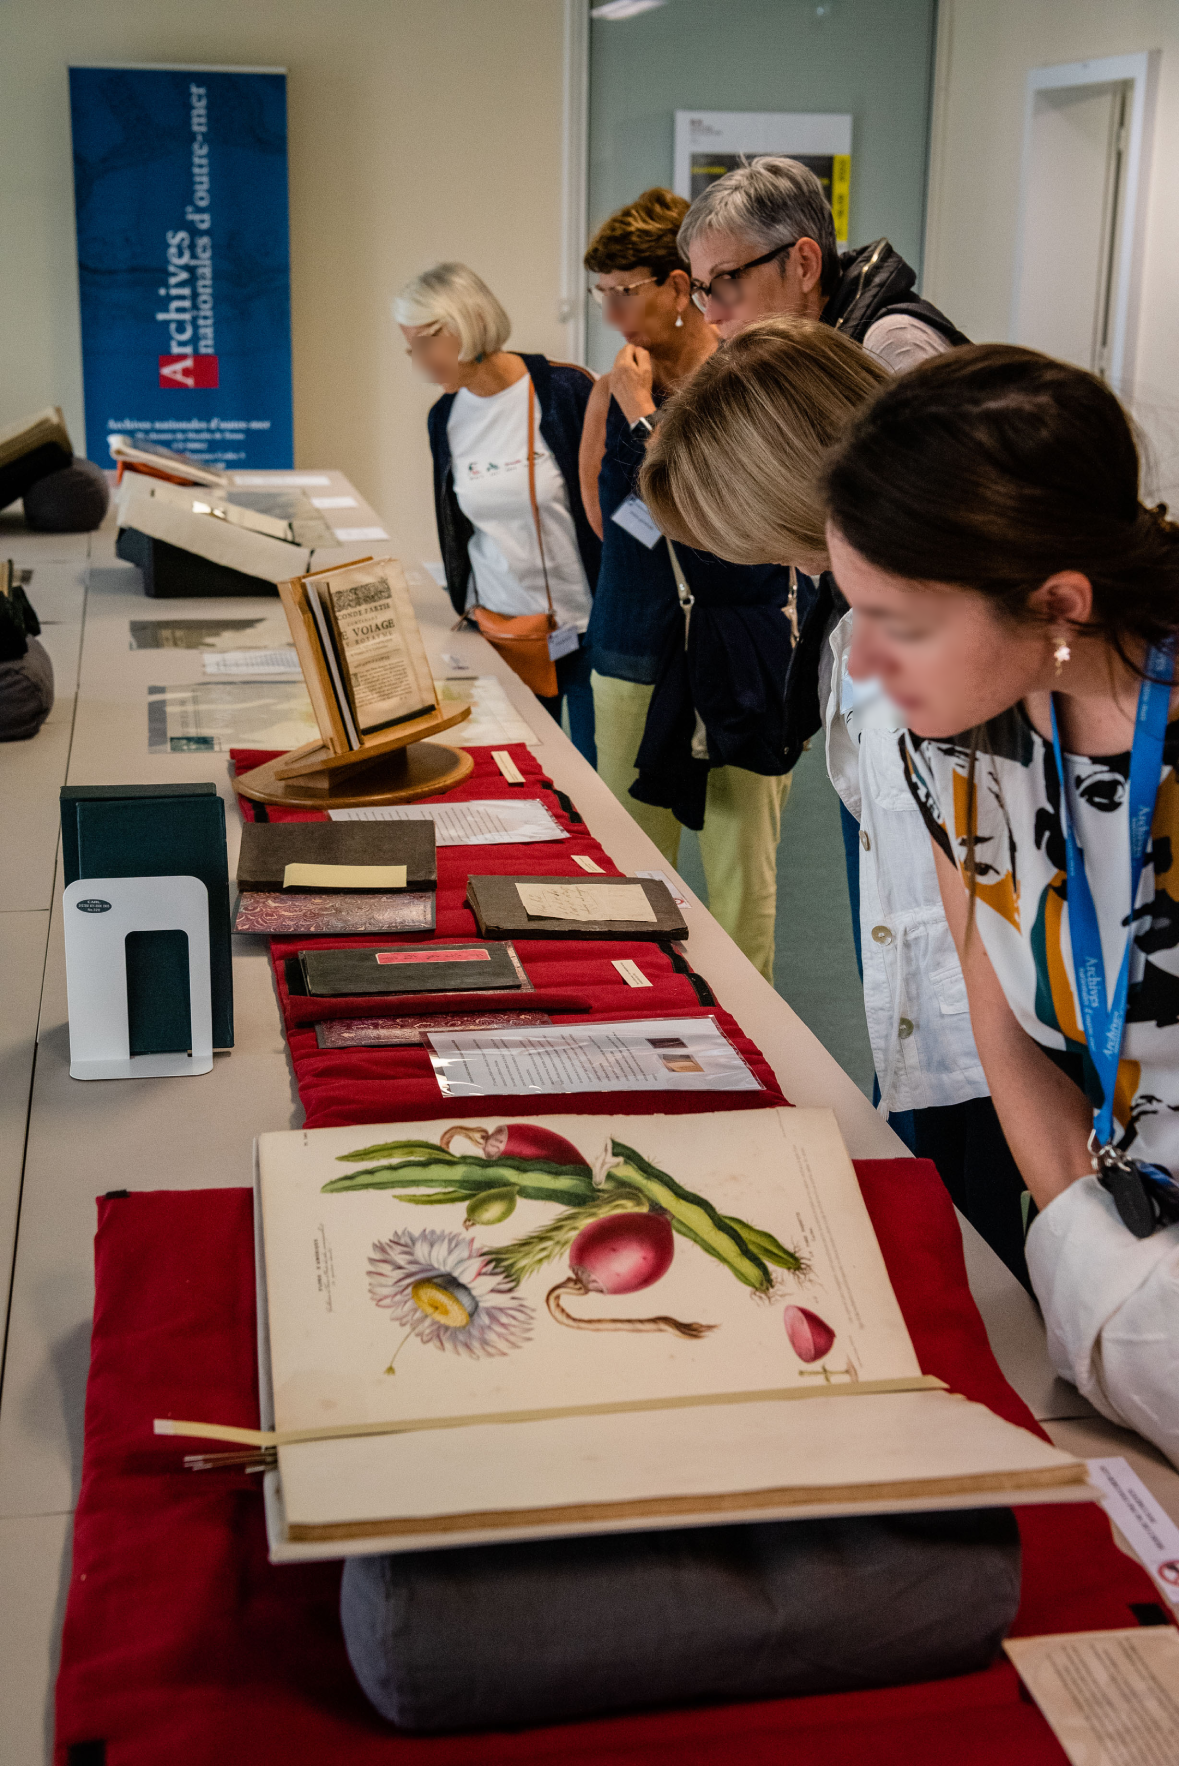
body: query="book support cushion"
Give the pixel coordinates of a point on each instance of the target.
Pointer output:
(26, 693)
(74, 499)
(504, 1635)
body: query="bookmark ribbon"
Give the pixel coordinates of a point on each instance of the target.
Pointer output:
(346, 1431)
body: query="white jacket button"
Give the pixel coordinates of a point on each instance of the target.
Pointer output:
(864, 840)
(882, 935)
(905, 1028)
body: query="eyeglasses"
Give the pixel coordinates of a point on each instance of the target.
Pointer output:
(723, 289)
(604, 296)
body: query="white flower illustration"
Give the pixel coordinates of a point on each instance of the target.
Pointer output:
(444, 1290)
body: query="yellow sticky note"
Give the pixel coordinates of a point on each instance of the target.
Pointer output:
(344, 877)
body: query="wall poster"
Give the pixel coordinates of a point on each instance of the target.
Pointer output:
(709, 143)
(180, 187)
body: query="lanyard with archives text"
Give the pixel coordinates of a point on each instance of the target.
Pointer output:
(1146, 1195)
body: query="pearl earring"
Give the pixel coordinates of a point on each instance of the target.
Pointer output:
(679, 320)
(1060, 656)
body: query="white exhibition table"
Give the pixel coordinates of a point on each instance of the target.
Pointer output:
(63, 1142)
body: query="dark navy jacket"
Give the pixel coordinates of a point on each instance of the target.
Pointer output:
(562, 393)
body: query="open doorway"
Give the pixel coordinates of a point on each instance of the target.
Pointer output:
(1079, 248)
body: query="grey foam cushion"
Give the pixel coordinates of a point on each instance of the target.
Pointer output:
(73, 500)
(514, 1635)
(26, 693)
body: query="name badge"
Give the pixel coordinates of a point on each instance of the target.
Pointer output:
(563, 642)
(636, 519)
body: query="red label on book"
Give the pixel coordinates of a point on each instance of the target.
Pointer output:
(433, 956)
(189, 371)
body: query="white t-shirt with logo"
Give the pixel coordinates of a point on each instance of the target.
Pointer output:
(489, 458)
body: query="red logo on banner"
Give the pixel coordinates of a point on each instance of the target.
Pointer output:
(190, 371)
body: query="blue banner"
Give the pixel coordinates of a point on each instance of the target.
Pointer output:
(180, 188)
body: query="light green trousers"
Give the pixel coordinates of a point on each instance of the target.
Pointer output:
(742, 821)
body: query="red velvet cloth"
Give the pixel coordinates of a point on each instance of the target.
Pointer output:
(574, 979)
(182, 1644)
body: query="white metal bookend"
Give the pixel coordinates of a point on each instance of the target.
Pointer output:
(99, 913)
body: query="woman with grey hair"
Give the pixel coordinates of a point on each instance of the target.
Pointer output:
(761, 240)
(516, 544)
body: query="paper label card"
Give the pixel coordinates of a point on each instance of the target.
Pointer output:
(587, 863)
(636, 519)
(576, 901)
(1147, 1526)
(344, 877)
(662, 877)
(507, 766)
(563, 642)
(1109, 1696)
(631, 973)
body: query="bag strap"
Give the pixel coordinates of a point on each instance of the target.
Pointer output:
(686, 597)
(532, 496)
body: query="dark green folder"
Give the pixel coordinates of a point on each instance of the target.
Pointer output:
(157, 831)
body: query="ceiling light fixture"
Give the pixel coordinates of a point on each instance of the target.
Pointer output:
(616, 9)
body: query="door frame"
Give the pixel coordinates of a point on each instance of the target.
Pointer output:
(575, 176)
(1140, 71)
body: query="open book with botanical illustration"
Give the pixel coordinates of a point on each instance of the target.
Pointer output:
(486, 1320)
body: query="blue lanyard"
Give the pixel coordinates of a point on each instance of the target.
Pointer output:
(1104, 1018)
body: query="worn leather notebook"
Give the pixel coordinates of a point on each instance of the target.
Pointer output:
(269, 847)
(421, 968)
(631, 907)
(157, 831)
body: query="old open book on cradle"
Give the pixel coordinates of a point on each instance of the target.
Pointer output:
(566, 1324)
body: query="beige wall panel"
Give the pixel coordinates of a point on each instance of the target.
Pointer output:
(419, 130)
(985, 50)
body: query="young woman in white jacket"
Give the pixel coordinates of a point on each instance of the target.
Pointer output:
(1020, 603)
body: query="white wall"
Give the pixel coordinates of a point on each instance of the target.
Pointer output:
(419, 130)
(985, 49)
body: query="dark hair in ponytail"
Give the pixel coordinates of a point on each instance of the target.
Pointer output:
(990, 468)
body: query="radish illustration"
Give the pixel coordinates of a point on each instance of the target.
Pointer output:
(622, 1253)
(810, 1336)
(516, 1140)
(619, 1254)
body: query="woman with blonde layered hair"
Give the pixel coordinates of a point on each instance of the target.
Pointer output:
(736, 465)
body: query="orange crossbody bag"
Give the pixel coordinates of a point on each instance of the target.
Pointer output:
(522, 639)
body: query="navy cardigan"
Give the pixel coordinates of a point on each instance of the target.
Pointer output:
(562, 392)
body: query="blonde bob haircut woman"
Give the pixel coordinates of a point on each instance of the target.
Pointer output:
(734, 464)
(452, 298)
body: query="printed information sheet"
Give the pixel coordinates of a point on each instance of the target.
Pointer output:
(494, 720)
(1111, 1697)
(653, 1054)
(213, 716)
(488, 822)
(272, 665)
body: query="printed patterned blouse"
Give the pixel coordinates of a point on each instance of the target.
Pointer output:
(1022, 902)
